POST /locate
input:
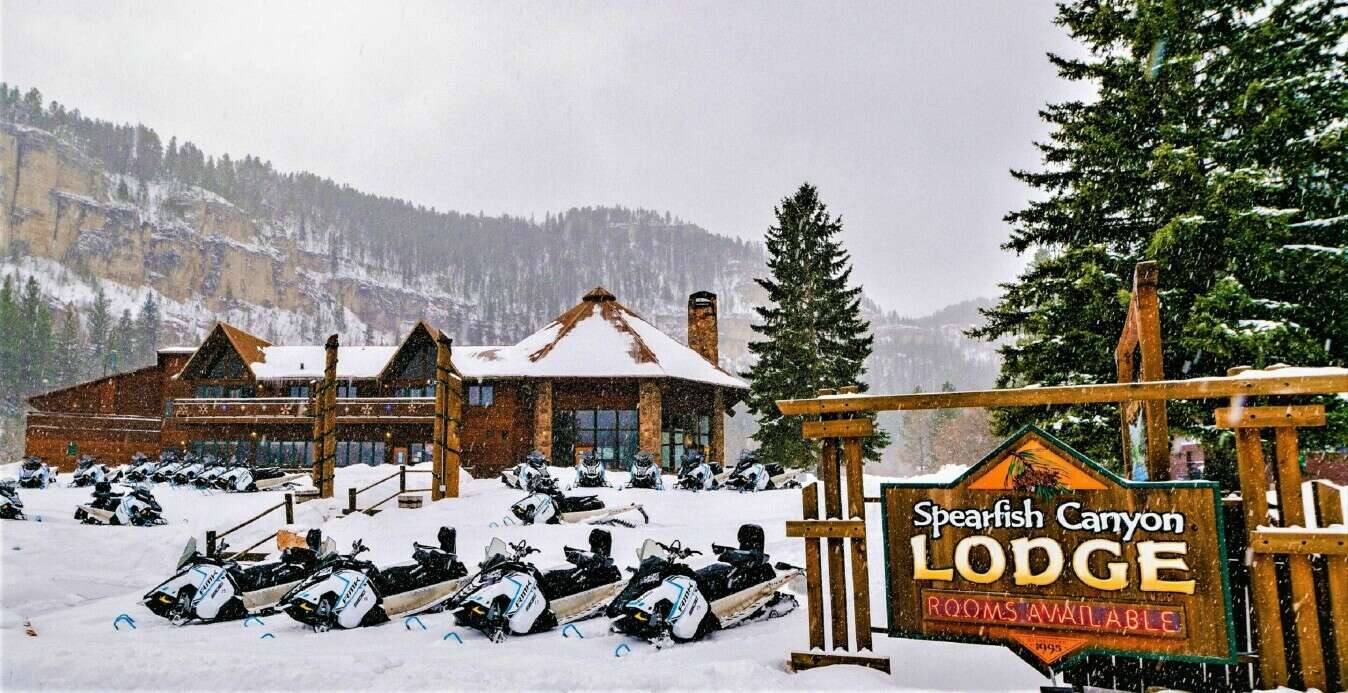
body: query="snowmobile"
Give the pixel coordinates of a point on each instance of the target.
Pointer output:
(510, 596)
(188, 472)
(207, 477)
(240, 479)
(209, 588)
(88, 472)
(591, 473)
(666, 601)
(135, 507)
(34, 473)
(696, 474)
(547, 505)
(11, 508)
(750, 474)
(523, 476)
(141, 468)
(169, 464)
(645, 473)
(347, 592)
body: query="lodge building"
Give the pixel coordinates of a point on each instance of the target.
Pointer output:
(599, 378)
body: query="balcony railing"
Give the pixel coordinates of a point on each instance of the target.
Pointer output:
(296, 410)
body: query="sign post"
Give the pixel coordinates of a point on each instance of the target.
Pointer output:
(1040, 549)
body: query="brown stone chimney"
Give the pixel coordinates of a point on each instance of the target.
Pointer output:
(703, 336)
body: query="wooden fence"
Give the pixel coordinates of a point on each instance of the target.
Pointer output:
(352, 494)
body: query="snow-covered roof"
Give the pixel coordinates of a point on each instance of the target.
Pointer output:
(177, 350)
(308, 361)
(597, 338)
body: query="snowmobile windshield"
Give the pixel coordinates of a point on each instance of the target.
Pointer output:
(32, 465)
(189, 550)
(497, 548)
(651, 549)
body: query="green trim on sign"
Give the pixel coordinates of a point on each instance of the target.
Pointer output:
(1074, 659)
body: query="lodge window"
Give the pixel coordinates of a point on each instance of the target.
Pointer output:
(284, 453)
(347, 390)
(359, 452)
(481, 395)
(612, 433)
(231, 391)
(427, 390)
(681, 431)
(301, 391)
(419, 452)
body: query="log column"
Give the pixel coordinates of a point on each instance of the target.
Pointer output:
(543, 418)
(717, 452)
(649, 418)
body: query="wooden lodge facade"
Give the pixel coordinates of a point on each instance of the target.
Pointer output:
(599, 378)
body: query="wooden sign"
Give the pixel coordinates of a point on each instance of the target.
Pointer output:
(1039, 549)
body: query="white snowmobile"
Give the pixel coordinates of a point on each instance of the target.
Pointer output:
(11, 508)
(208, 588)
(241, 479)
(88, 472)
(141, 468)
(547, 505)
(347, 592)
(523, 476)
(666, 601)
(510, 596)
(590, 472)
(750, 474)
(213, 470)
(135, 507)
(696, 474)
(169, 464)
(188, 472)
(34, 473)
(645, 473)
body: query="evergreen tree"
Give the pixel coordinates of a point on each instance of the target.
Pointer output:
(1214, 147)
(11, 343)
(100, 328)
(67, 350)
(147, 330)
(812, 333)
(121, 344)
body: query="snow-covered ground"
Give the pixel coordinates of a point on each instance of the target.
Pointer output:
(70, 581)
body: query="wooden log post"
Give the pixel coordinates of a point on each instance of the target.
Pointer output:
(290, 508)
(840, 445)
(1293, 513)
(1329, 511)
(1142, 333)
(448, 413)
(324, 411)
(1254, 486)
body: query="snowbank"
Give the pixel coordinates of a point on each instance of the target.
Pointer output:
(70, 581)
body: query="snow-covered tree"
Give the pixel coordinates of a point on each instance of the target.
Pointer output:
(811, 334)
(1215, 147)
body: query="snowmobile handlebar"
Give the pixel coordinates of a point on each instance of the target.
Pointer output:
(675, 549)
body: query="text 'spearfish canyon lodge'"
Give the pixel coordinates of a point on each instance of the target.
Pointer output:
(598, 377)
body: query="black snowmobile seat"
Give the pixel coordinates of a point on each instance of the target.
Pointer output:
(571, 504)
(448, 538)
(751, 538)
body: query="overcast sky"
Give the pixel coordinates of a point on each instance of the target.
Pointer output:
(907, 116)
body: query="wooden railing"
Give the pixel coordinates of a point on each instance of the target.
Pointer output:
(255, 409)
(352, 504)
(213, 538)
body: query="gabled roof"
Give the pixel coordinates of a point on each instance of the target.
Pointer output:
(248, 347)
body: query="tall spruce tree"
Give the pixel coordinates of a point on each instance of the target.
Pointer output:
(147, 331)
(811, 331)
(100, 329)
(1214, 146)
(68, 350)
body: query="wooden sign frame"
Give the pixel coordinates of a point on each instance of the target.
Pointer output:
(1054, 649)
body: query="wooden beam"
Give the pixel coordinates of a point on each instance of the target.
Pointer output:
(861, 581)
(814, 571)
(1271, 417)
(1299, 543)
(1263, 577)
(1195, 388)
(801, 661)
(1293, 514)
(1329, 511)
(838, 428)
(831, 529)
